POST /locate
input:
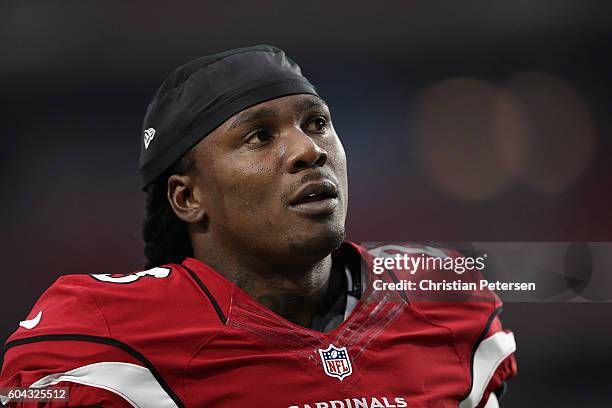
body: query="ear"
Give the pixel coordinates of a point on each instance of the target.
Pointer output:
(184, 197)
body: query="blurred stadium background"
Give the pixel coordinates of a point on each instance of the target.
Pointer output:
(462, 121)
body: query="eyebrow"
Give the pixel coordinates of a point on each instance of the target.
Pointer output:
(311, 103)
(252, 116)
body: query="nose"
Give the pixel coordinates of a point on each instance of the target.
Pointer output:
(303, 152)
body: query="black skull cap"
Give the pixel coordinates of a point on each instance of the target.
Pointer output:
(199, 96)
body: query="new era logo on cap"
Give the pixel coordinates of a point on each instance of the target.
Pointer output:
(149, 134)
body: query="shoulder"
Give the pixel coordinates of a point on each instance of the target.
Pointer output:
(440, 283)
(116, 305)
(436, 273)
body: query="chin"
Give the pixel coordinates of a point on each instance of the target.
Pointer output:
(319, 243)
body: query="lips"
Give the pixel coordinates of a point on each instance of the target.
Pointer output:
(316, 191)
(315, 198)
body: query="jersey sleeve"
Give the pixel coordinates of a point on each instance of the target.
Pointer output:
(66, 342)
(493, 362)
(492, 359)
(488, 349)
(79, 396)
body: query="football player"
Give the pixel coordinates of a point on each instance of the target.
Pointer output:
(250, 296)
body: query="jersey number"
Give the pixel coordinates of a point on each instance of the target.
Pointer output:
(132, 277)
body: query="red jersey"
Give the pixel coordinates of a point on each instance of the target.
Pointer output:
(181, 335)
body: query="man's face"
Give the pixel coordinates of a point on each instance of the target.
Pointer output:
(273, 180)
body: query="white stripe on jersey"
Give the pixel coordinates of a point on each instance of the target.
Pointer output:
(492, 402)
(132, 382)
(489, 355)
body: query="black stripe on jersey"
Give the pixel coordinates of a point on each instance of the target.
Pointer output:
(212, 299)
(102, 340)
(482, 336)
(395, 280)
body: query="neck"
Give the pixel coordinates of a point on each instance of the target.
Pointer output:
(297, 292)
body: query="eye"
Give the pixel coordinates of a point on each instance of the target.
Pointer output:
(318, 124)
(258, 136)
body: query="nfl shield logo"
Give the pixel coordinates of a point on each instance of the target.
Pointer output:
(336, 362)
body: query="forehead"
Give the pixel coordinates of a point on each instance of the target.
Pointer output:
(276, 107)
(296, 102)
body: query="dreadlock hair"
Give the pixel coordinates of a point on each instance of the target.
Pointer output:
(165, 236)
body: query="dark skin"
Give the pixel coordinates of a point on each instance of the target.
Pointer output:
(241, 208)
